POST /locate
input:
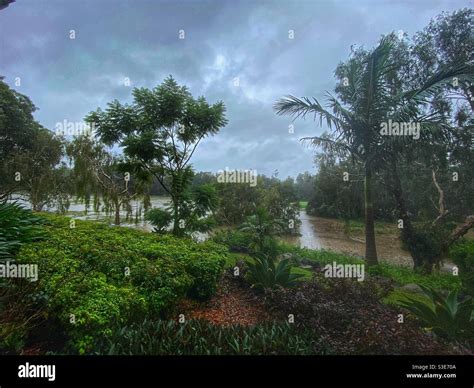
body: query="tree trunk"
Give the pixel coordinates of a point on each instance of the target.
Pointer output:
(37, 207)
(177, 231)
(117, 213)
(370, 247)
(408, 231)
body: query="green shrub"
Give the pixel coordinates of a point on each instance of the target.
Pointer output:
(107, 276)
(426, 244)
(205, 266)
(448, 317)
(397, 296)
(463, 256)
(160, 219)
(202, 338)
(18, 226)
(266, 272)
(235, 240)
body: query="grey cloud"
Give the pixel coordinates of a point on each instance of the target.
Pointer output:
(224, 39)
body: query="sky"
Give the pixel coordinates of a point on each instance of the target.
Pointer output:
(246, 53)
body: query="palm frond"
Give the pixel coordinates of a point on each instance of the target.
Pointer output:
(300, 107)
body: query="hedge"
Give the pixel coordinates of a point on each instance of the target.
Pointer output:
(93, 277)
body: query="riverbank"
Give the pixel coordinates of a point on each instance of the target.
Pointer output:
(334, 235)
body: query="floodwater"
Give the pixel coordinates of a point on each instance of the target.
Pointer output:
(315, 232)
(330, 234)
(78, 210)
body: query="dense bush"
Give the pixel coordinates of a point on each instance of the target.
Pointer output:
(235, 240)
(18, 226)
(463, 256)
(202, 338)
(350, 318)
(93, 277)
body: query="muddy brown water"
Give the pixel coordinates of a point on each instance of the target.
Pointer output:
(325, 233)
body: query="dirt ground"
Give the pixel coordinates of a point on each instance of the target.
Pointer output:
(232, 304)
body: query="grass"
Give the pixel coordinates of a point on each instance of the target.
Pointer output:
(404, 275)
(398, 295)
(401, 275)
(303, 204)
(307, 273)
(357, 226)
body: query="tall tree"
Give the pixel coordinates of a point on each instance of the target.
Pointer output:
(159, 133)
(366, 101)
(17, 130)
(44, 175)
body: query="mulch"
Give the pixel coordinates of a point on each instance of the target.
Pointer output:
(232, 304)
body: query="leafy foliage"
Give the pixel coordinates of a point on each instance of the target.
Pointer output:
(447, 316)
(160, 219)
(110, 275)
(202, 338)
(17, 129)
(159, 133)
(261, 226)
(265, 272)
(463, 256)
(18, 226)
(195, 209)
(235, 240)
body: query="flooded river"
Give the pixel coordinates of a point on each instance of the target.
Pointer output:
(315, 232)
(331, 234)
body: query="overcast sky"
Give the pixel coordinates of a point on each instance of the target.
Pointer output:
(249, 40)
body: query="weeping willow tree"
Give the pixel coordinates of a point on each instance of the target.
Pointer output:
(368, 96)
(103, 177)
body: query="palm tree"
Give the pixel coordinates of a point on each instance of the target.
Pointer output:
(262, 227)
(370, 97)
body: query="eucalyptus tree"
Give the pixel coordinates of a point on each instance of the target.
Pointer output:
(17, 130)
(368, 97)
(44, 175)
(159, 133)
(440, 154)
